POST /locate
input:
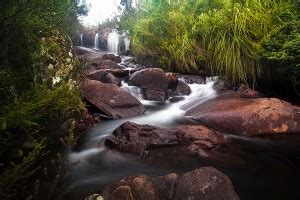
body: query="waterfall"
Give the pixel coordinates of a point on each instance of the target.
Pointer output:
(81, 39)
(127, 43)
(133, 90)
(113, 42)
(96, 41)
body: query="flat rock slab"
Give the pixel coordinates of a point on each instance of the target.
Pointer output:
(111, 100)
(247, 116)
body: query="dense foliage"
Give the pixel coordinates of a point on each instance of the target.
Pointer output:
(234, 39)
(39, 79)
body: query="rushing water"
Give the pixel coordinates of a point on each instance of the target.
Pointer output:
(81, 39)
(260, 168)
(113, 42)
(127, 43)
(96, 43)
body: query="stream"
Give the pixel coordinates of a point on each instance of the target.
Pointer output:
(260, 168)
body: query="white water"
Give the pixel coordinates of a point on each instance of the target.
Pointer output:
(96, 44)
(127, 43)
(113, 42)
(81, 39)
(113, 164)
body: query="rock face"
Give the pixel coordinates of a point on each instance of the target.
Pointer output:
(111, 100)
(204, 183)
(138, 139)
(247, 116)
(153, 82)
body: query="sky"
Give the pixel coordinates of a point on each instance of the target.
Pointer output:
(100, 10)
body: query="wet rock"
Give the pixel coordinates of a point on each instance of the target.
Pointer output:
(139, 187)
(111, 100)
(108, 64)
(220, 86)
(205, 183)
(153, 81)
(94, 197)
(150, 78)
(167, 184)
(83, 50)
(176, 99)
(104, 76)
(112, 57)
(247, 116)
(181, 89)
(154, 95)
(246, 92)
(172, 80)
(190, 79)
(137, 68)
(139, 139)
(93, 59)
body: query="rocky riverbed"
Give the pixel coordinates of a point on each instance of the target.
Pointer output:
(188, 135)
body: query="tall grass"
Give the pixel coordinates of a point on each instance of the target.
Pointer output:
(224, 35)
(232, 38)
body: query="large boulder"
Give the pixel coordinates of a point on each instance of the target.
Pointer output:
(111, 100)
(205, 183)
(153, 82)
(139, 139)
(247, 116)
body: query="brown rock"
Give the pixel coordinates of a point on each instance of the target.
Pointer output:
(111, 100)
(181, 89)
(172, 80)
(150, 78)
(246, 92)
(104, 76)
(138, 139)
(167, 184)
(139, 187)
(122, 192)
(112, 57)
(205, 183)
(247, 116)
(109, 64)
(154, 95)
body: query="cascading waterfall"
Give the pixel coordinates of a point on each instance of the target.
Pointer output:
(127, 43)
(113, 42)
(81, 39)
(96, 46)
